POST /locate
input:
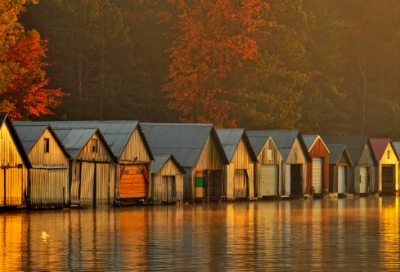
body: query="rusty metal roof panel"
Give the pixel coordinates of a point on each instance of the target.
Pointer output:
(184, 141)
(379, 146)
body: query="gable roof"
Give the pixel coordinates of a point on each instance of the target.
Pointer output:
(116, 133)
(379, 146)
(284, 141)
(5, 119)
(161, 160)
(230, 139)
(354, 144)
(258, 143)
(30, 132)
(184, 141)
(396, 147)
(310, 140)
(336, 152)
(75, 140)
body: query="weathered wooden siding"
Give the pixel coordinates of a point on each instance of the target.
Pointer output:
(55, 156)
(263, 160)
(210, 158)
(296, 156)
(319, 151)
(16, 178)
(385, 161)
(188, 184)
(86, 169)
(159, 186)
(48, 188)
(102, 155)
(135, 149)
(366, 160)
(241, 160)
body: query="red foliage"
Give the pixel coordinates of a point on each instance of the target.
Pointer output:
(213, 37)
(25, 92)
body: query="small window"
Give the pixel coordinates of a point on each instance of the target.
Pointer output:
(95, 145)
(46, 145)
(388, 155)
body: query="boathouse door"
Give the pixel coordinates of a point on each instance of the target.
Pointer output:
(341, 179)
(269, 180)
(363, 180)
(387, 179)
(170, 189)
(295, 179)
(133, 183)
(317, 164)
(240, 184)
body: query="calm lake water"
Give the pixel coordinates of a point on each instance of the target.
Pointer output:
(322, 234)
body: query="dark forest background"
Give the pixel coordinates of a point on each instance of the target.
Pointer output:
(323, 66)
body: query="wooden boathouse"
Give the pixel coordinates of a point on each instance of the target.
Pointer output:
(167, 178)
(387, 161)
(198, 150)
(339, 170)
(92, 167)
(130, 147)
(318, 168)
(267, 169)
(363, 173)
(295, 159)
(49, 175)
(239, 173)
(14, 165)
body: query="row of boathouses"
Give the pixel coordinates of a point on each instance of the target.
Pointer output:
(92, 163)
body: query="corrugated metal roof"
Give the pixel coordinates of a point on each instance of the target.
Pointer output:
(336, 151)
(230, 139)
(309, 140)
(29, 135)
(379, 146)
(161, 160)
(284, 140)
(75, 140)
(117, 133)
(354, 144)
(184, 141)
(258, 143)
(396, 147)
(4, 118)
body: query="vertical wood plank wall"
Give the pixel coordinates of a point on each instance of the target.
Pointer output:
(262, 160)
(319, 151)
(159, 185)
(366, 160)
(210, 159)
(241, 160)
(48, 187)
(76, 180)
(16, 179)
(296, 156)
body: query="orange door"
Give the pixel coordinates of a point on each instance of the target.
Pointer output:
(133, 181)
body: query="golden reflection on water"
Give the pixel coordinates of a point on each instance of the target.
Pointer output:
(389, 211)
(320, 234)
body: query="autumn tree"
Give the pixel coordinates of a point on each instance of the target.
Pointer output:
(213, 37)
(22, 82)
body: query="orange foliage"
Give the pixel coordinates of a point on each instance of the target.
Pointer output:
(25, 92)
(213, 37)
